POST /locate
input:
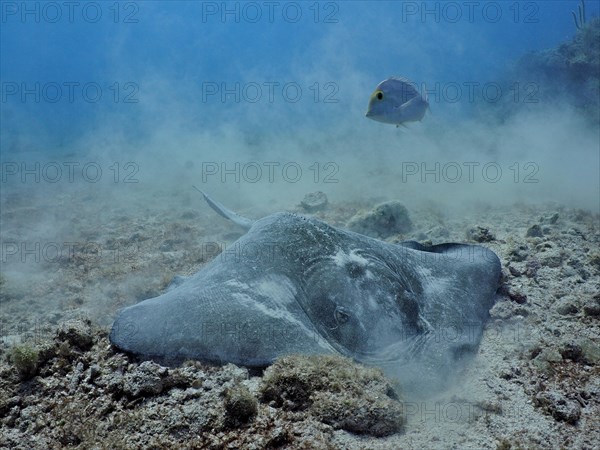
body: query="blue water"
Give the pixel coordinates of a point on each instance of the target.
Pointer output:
(67, 70)
(171, 86)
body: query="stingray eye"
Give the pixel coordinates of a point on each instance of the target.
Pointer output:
(379, 95)
(341, 316)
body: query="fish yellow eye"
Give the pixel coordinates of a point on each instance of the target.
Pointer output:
(379, 95)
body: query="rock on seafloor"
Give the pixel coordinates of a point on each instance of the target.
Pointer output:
(385, 220)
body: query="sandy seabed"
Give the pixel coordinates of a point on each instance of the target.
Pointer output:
(534, 382)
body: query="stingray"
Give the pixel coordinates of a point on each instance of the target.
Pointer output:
(296, 285)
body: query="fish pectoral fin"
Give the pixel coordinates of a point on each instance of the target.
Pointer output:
(409, 103)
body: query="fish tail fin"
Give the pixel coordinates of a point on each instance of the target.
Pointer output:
(426, 97)
(224, 212)
(428, 109)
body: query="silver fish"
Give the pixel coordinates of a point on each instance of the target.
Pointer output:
(395, 101)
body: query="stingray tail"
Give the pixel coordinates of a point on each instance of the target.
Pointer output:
(224, 212)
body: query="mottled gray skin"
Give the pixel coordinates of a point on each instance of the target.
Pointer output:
(294, 284)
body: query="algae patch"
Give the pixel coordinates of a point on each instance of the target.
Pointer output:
(26, 359)
(240, 405)
(335, 391)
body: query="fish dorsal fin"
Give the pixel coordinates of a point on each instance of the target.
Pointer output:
(403, 88)
(228, 214)
(403, 79)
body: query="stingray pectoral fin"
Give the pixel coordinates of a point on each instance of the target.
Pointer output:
(461, 277)
(177, 280)
(215, 324)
